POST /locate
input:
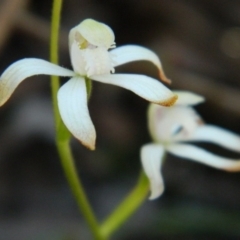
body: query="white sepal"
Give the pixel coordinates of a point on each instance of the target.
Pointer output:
(152, 159)
(144, 86)
(130, 53)
(72, 102)
(22, 69)
(217, 135)
(197, 154)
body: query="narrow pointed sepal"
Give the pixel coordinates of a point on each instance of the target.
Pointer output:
(152, 158)
(72, 102)
(144, 86)
(197, 154)
(130, 53)
(22, 69)
(217, 135)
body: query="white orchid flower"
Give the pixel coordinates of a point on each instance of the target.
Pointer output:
(171, 127)
(89, 43)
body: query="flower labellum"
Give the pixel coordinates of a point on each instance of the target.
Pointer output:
(89, 45)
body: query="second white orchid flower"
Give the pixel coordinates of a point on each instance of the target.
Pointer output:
(89, 43)
(171, 127)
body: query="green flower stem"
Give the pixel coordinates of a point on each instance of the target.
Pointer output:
(63, 135)
(77, 188)
(55, 83)
(128, 206)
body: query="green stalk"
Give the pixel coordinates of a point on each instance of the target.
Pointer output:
(55, 83)
(63, 135)
(77, 188)
(127, 207)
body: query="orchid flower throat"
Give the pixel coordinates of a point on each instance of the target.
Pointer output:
(172, 124)
(89, 43)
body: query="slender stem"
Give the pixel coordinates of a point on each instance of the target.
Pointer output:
(77, 188)
(128, 206)
(63, 136)
(56, 14)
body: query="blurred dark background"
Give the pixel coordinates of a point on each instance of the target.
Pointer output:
(199, 45)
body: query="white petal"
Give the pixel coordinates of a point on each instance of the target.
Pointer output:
(72, 102)
(188, 98)
(217, 135)
(202, 156)
(152, 159)
(24, 68)
(130, 53)
(144, 86)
